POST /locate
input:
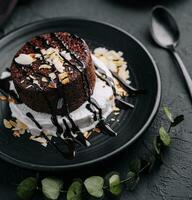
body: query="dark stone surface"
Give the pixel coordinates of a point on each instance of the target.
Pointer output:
(173, 181)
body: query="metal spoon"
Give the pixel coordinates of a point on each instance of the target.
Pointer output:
(165, 33)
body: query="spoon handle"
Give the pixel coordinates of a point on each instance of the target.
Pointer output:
(184, 71)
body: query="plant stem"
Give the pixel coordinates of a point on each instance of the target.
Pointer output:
(127, 179)
(169, 129)
(63, 191)
(147, 165)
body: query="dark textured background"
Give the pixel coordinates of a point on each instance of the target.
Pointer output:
(173, 181)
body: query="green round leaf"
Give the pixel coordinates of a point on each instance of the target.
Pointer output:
(75, 191)
(94, 186)
(27, 188)
(164, 136)
(51, 188)
(135, 166)
(114, 183)
(168, 114)
(132, 180)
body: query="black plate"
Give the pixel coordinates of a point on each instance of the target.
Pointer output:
(144, 74)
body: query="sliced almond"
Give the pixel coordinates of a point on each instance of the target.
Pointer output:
(37, 55)
(45, 66)
(7, 124)
(3, 98)
(16, 133)
(11, 100)
(66, 55)
(87, 134)
(52, 76)
(28, 86)
(116, 108)
(65, 81)
(52, 85)
(33, 77)
(44, 79)
(97, 130)
(63, 78)
(39, 139)
(24, 59)
(36, 82)
(14, 124)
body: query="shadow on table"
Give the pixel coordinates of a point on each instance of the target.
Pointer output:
(140, 4)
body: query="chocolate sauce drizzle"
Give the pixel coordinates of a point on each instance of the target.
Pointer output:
(119, 102)
(86, 86)
(68, 141)
(74, 129)
(72, 133)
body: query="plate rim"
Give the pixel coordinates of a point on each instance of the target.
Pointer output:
(41, 167)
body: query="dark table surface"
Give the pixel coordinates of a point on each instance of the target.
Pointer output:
(174, 179)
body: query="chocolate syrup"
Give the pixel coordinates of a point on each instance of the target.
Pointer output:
(54, 116)
(85, 84)
(80, 69)
(5, 90)
(119, 102)
(71, 134)
(68, 141)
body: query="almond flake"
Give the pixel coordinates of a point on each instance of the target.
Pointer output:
(11, 100)
(44, 79)
(63, 78)
(87, 134)
(45, 66)
(3, 98)
(37, 55)
(52, 85)
(52, 76)
(39, 139)
(7, 124)
(14, 124)
(36, 82)
(16, 133)
(65, 81)
(8, 99)
(97, 130)
(34, 78)
(66, 55)
(116, 109)
(28, 86)
(24, 59)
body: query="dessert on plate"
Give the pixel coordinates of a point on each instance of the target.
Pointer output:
(58, 88)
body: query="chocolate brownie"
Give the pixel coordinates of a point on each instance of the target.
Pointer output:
(52, 68)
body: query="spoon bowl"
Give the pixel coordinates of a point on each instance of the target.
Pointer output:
(164, 29)
(165, 32)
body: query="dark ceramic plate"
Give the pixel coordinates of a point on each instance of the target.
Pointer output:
(144, 74)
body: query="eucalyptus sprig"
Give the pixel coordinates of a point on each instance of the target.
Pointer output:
(112, 184)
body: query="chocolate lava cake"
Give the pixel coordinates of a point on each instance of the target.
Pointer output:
(54, 72)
